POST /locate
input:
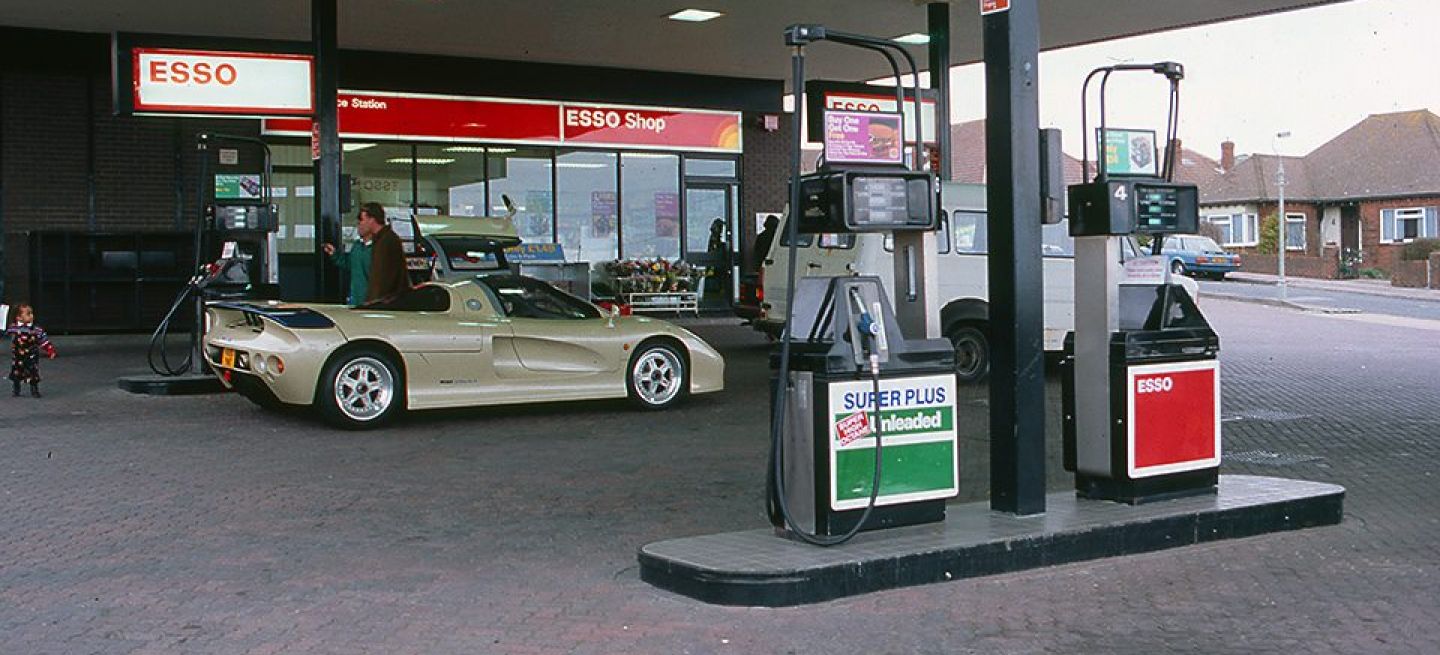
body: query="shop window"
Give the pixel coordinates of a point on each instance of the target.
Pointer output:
(450, 180)
(650, 192)
(292, 186)
(524, 174)
(587, 205)
(380, 172)
(695, 167)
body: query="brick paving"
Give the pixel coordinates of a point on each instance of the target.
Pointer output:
(205, 525)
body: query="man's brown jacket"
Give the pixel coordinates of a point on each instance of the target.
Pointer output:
(388, 277)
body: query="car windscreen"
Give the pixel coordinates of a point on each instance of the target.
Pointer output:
(1204, 244)
(525, 297)
(468, 253)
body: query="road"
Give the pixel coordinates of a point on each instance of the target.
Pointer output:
(206, 525)
(1328, 299)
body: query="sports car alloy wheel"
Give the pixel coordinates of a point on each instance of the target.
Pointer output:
(657, 376)
(364, 389)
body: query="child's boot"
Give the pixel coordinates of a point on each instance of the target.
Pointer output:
(34, 389)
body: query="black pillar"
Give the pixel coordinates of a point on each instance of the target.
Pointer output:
(1017, 374)
(939, 24)
(325, 36)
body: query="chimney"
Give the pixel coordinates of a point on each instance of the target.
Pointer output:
(1227, 156)
(1175, 153)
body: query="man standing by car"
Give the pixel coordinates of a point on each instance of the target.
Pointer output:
(388, 275)
(356, 261)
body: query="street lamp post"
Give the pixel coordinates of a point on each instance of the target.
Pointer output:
(1284, 224)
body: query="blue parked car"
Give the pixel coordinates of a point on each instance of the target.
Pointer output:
(1199, 256)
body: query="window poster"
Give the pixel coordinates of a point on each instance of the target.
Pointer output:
(667, 214)
(604, 210)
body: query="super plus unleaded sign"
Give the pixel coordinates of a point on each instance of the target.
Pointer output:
(916, 421)
(1174, 417)
(206, 82)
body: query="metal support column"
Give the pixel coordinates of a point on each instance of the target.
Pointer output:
(324, 32)
(938, 14)
(1017, 369)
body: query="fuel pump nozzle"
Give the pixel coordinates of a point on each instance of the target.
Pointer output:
(871, 346)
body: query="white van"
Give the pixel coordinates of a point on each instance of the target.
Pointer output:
(963, 273)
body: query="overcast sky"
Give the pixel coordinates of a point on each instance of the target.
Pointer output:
(1313, 72)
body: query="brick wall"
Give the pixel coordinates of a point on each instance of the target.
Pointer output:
(1325, 266)
(1384, 256)
(765, 175)
(1413, 274)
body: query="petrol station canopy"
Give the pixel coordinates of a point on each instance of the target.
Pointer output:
(636, 34)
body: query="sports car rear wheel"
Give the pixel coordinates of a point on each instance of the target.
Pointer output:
(657, 377)
(361, 389)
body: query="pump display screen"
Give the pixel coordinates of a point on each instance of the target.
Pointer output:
(880, 200)
(1165, 209)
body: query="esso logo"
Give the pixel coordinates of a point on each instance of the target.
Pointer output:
(164, 71)
(853, 105)
(592, 118)
(1154, 385)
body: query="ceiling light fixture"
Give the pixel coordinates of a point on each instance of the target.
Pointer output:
(470, 149)
(913, 38)
(352, 147)
(420, 160)
(695, 15)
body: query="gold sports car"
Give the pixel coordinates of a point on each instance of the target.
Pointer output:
(491, 339)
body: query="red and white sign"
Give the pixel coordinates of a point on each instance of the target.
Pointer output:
(885, 103)
(408, 116)
(1174, 417)
(241, 83)
(852, 427)
(993, 6)
(685, 129)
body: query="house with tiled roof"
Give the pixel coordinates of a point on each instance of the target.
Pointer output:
(1369, 191)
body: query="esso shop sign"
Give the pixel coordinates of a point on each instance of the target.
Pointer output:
(198, 81)
(1174, 417)
(688, 129)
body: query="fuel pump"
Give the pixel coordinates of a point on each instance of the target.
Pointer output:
(844, 376)
(235, 250)
(1141, 378)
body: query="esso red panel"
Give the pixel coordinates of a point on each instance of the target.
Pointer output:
(1175, 415)
(652, 127)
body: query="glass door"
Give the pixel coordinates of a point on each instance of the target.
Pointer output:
(710, 239)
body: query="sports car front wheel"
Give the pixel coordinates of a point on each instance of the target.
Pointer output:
(657, 377)
(360, 389)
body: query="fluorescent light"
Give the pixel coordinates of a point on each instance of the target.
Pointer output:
(571, 164)
(352, 147)
(419, 160)
(465, 149)
(501, 151)
(913, 38)
(695, 15)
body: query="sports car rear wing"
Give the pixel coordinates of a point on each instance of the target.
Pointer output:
(288, 316)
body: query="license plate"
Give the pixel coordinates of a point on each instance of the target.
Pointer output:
(227, 358)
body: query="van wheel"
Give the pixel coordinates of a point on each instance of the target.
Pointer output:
(361, 389)
(972, 351)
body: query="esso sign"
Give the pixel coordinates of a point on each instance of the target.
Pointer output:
(592, 118)
(1154, 385)
(163, 71)
(853, 105)
(613, 119)
(209, 82)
